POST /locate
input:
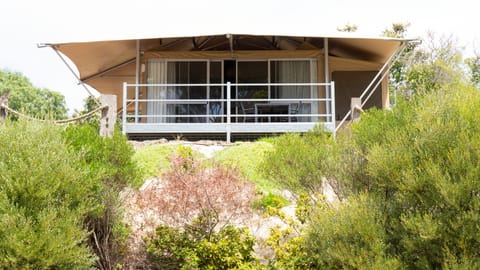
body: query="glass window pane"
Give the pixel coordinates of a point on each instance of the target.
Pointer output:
(252, 72)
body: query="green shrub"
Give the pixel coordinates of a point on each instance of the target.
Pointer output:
(299, 162)
(196, 247)
(351, 236)
(430, 180)
(270, 200)
(420, 163)
(109, 159)
(44, 197)
(108, 163)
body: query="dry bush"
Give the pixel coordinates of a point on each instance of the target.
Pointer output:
(191, 188)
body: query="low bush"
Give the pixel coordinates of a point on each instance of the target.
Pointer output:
(196, 247)
(298, 162)
(270, 200)
(351, 236)
(59, 196)
(193, 188)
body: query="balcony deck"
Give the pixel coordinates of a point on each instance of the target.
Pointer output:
(268, 116)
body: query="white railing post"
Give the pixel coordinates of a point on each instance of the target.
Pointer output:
(124, 109)
(137, 91)
(229, 107)
(332, 104)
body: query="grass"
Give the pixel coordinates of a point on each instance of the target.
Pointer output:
(152, 160)
(247, 156)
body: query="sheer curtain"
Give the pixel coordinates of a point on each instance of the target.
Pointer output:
(302, 71)
(157, 73)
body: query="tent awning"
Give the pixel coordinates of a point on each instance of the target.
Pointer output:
(105, 65)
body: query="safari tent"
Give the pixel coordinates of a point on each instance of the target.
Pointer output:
(236, 84)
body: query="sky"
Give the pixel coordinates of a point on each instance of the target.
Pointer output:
(25, 23)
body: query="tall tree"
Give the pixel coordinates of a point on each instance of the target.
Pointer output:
(348, 28)
(473, 64)
(31, 100)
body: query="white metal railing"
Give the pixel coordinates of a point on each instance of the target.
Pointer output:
(276, 112)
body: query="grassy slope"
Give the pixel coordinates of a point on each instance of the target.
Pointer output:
(153, 160)
(247, 156)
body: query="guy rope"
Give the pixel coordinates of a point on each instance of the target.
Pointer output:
(63, 121)
(107, 119)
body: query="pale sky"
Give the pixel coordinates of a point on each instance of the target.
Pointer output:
(24, 23)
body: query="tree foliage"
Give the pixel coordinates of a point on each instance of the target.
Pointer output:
(473, 64)
(348, 28)
(33, 101)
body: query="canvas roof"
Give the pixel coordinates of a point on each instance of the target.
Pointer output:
(106, 64)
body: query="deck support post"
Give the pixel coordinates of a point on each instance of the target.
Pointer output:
(124, 109)
(137, 80)
(355, 108)
(229, 114)
(327, 73)
(109, 115)
(3, 111)
(332, 105)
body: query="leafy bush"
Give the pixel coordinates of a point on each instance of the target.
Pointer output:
(270, 200)
(44, 197)
(196, 247)
(299, 162)
(410, 179)
(109, 159)
(351, 236)
(430, 187)
(419, 166)
(108, 163)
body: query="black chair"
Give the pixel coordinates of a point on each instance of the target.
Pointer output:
(246, 111)
(295, 108)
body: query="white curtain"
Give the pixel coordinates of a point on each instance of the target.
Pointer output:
(304, 71)
(157, 73)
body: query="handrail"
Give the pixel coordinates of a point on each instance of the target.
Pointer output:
(230, 106)
(222, 84)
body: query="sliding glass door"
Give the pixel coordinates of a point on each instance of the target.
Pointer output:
(291, 72)
(185, 73)
(181, 104)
